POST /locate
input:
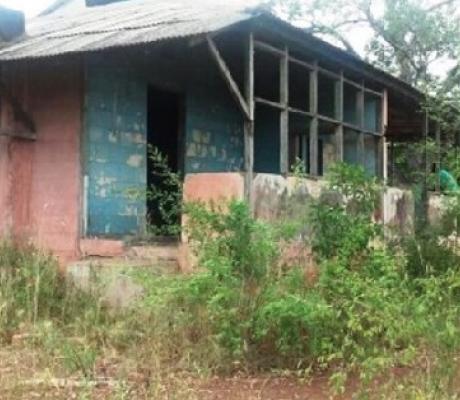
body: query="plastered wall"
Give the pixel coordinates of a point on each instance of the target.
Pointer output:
(115, 131)
(40, 180)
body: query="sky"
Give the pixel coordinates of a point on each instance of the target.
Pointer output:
(33, 7)
(30, 7)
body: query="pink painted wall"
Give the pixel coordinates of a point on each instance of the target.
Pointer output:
(5, 187)
(214, 186)
(45, 191)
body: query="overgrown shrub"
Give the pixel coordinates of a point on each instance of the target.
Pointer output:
(30, 287)
(341, 220)
(368, 312)
(37, 303)
(374, 307)
(433, 250)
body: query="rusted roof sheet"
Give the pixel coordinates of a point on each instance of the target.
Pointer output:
(70, 27)
(121, 24)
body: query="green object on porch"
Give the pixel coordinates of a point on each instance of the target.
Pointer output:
(448, 182)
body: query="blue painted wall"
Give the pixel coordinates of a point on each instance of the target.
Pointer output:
(115, 150)
(115, 139)
(372, 111)
(214, 130)
(350, 146)
(371, 154)
(267, 141)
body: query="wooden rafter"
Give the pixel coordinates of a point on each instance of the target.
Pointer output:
(249, 123)
(232, 85)
(18, 134)
(20, 115)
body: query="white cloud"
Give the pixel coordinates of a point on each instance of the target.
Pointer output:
(30, 7)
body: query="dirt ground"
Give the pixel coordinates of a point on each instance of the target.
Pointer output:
(24, 374)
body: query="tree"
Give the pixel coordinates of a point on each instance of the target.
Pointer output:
(407, 37)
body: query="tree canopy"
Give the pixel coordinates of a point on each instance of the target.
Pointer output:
(408, 38)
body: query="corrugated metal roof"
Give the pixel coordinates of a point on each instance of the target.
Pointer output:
(121, 24)
(70, 27)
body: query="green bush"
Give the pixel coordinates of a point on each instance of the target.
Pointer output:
(341, 219)
(231, 242)
(433, 248)
(368, 312)
(373, 306)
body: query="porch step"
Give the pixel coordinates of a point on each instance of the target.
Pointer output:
(114, 276)
(160, 254)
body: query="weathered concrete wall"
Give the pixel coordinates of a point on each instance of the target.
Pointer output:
(437, 206)
(276, 197)
(45, 174)
(398, 211)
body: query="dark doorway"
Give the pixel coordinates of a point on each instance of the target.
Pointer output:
(164, 133)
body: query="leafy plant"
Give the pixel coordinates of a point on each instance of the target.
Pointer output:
(166, 194)
(341, 220)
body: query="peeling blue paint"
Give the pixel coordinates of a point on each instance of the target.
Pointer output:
(115, 150)
(214, 130)
(116, 133)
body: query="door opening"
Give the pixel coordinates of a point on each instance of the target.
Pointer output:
(164, 134)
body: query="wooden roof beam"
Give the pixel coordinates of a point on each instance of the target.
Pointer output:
(232, 85)
(20, 115)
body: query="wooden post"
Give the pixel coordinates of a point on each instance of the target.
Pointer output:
(314, 121)
(425, 132)
(304, 151)
(425, 197)
(11, 102)
(249, 123)
(284, 115)
(438, 156)
(361, 116)
(393, 163)
(383, 149)
(339, 117)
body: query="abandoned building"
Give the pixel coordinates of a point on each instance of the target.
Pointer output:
(233, 96)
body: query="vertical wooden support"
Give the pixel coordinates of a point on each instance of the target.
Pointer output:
(249, 123)
(383, 148)
(304, 144)
(339, 117)
(381, 158)
(438, 156)
(314, 121)
(284, 116)
(425, 132)
(425, 197)
(361, 116)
